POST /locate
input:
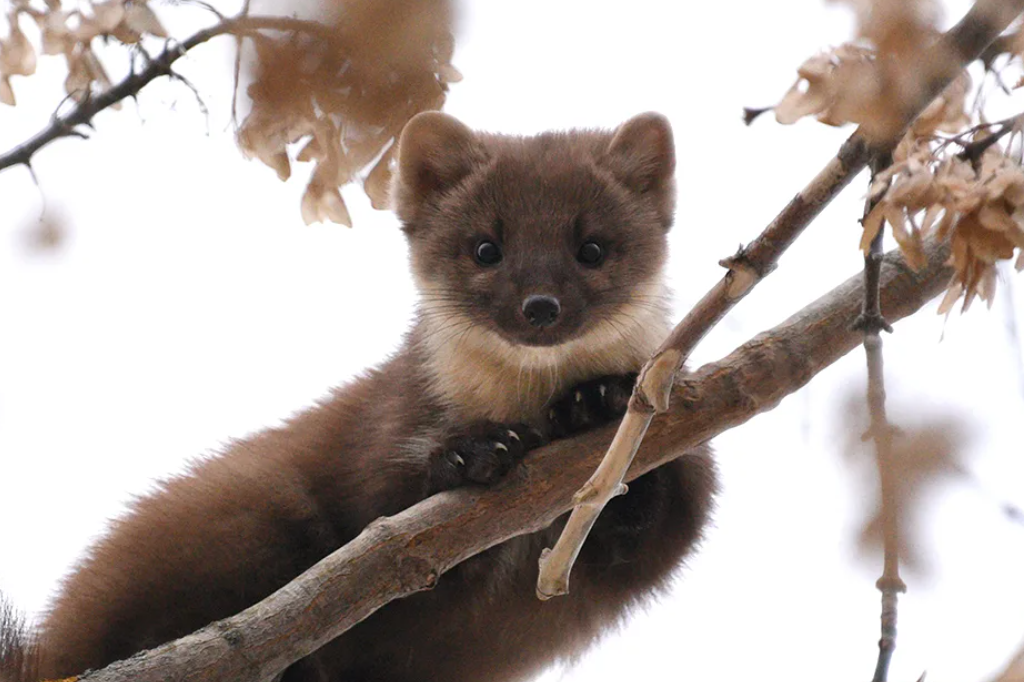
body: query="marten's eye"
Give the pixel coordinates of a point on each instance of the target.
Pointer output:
(591, 254)
(487, 253)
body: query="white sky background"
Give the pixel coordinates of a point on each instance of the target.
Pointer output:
(189, 305)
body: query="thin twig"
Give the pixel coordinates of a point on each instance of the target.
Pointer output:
(964, 43)
(972, 151)
(64, 125)
(199, 98)
(398, 556)
(872, 323)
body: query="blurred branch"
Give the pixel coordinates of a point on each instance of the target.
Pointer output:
(66, 125)
(871, 322)
(1014, 670)
(938, 67)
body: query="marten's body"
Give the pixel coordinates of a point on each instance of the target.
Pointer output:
(538, 261)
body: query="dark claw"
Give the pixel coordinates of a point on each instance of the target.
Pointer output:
(483, 453)
(591, 404)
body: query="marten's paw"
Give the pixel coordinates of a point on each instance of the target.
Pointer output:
(591, 404)
(483, 453)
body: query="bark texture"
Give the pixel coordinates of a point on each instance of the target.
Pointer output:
(403, 554)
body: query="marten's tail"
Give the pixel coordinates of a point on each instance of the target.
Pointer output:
(19, 648)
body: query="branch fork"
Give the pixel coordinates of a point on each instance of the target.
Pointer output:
(743, 276)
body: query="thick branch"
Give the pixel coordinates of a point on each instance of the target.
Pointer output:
(938, 67)
(398, 556)
(64, 125)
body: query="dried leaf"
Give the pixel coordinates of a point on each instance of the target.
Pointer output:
(350, 91)
(931, 214)
(802, 99)
(987, 285)
(993, 216)
(378, 182)
(141, 19)
(279, 162)
(6, 92)
(107, 15)
(873, 84)
(915, 190)
(79, 79)
(948, 112)
(313, 151)
(909, 240)
(56, 37)
(985, 244)
(320, 203)
(948, 222)
(332, 206)
(881, 181)
(447, 73)
(17, 56)
(953, 294)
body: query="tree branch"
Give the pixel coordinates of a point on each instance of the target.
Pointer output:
(395, 557)
(872, 323)
(1014, 670)
(939, 66)
(64, 125)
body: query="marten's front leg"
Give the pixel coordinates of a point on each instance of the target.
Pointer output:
(640, 535)
(590, 404)
(481, 453)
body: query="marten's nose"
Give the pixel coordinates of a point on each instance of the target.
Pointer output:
(541, 311)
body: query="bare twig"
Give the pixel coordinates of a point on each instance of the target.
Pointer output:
(397, 556)
(199, 98)
(964, 43)
(972, 151)
(64, 125)
(872, 323)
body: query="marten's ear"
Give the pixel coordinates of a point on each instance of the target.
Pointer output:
(642, 156)
(435, 152)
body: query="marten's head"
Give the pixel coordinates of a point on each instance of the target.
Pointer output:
(536, 241)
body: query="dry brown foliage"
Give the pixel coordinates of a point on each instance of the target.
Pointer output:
(978, 204)
(70, 33)
(346, 95)
(953, 173)
(871, 81)
(335, 90)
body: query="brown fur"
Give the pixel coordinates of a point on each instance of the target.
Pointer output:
(238, 526)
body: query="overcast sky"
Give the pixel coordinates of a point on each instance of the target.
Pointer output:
(189, 305)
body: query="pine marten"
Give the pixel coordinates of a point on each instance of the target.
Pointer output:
(539, 266)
